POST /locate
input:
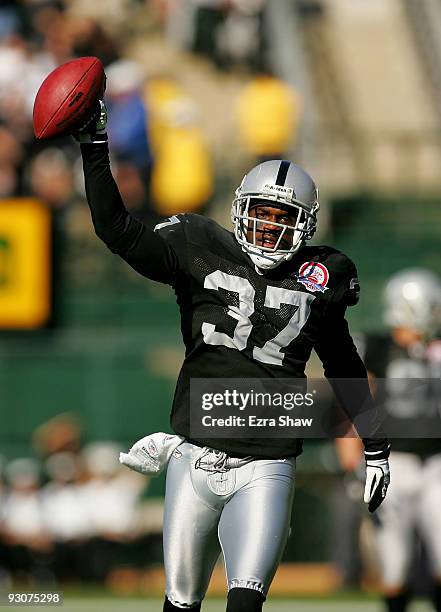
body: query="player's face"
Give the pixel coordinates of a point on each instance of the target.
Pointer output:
(267, 232)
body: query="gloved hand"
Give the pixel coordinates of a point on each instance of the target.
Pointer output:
(377, 481)
(94, 130)
(151, 454)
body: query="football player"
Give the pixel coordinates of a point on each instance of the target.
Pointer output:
(253, 304)
(412, 301)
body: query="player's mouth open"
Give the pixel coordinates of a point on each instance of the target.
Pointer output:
(270, 241)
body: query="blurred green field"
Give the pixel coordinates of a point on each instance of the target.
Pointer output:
(116, 604)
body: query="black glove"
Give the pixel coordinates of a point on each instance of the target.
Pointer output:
(94, 130)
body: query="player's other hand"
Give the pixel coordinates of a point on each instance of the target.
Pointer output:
(377, 482)
(94, 130)
(151, 454)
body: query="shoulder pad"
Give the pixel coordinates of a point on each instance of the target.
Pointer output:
(206, 233)
(189, 225)
(167, 224)
(343, 276)
(200, 234)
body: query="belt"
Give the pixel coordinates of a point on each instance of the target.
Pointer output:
(211, 460)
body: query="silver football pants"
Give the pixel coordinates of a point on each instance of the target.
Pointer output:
(212, 503)
(413, 501)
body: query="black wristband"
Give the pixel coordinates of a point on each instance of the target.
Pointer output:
(377, 454)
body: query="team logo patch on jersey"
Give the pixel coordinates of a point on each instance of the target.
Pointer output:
(314, 276)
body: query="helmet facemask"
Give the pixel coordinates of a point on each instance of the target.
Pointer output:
(249, 230)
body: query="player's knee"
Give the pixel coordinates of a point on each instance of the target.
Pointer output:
(245, 600)
(169, 607)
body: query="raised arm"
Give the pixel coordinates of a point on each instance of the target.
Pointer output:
(153, 255)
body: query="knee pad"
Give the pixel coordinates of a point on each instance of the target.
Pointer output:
(245, 600)
(169, 607)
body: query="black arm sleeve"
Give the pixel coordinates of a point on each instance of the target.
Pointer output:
(348, 377)
(145, 250)
(337, 350)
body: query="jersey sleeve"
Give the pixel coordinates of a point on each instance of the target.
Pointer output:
(158, 254)
(343, 365)
(347, 292)
(335, 346)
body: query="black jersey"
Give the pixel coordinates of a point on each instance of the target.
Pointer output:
(387, 360)
(236, 322)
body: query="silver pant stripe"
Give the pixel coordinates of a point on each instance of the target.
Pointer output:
(244, 511)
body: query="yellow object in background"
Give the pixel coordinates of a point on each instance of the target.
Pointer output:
(182, 177)
(268, 111)
(25, 264)
(163, 96)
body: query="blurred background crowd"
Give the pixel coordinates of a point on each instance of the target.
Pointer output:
(197, 92)
(69, 513)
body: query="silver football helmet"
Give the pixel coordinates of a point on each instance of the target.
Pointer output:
(412, 299)
(278, 183)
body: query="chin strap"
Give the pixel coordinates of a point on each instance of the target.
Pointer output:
(265, 268)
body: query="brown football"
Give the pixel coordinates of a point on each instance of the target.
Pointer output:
(67, 96)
